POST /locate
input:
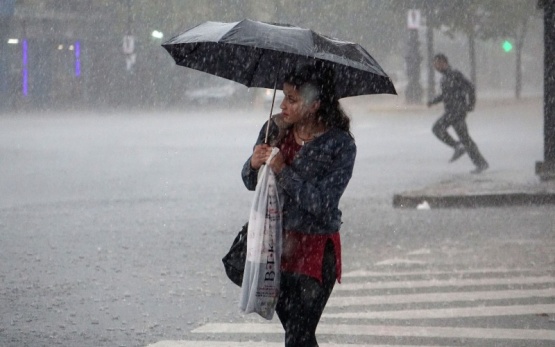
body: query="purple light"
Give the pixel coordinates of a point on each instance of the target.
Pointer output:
(25, 72)
(77, 59)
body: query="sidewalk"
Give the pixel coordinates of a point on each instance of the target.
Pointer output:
(492, 188)
(397, 103)
(489, 189)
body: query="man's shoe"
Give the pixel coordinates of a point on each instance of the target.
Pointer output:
(480, 169)
(459, 151)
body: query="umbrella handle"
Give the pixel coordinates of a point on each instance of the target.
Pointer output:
(271, 111)
(273, 101)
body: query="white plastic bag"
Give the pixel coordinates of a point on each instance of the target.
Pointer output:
(260, 288)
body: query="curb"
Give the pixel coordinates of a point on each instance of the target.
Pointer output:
(473, 201)
(388, 103)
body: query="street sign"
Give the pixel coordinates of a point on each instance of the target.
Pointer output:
(413, 19)
(129, 50)
(128, 44)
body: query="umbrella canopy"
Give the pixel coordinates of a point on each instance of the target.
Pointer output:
(259, 54)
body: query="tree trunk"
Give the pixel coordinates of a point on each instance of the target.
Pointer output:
(518, 82)
(431, 73)
(519, 48)
(472, 55)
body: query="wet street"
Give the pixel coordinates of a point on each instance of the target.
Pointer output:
(113, 226)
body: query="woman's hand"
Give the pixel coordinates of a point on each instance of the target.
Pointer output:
(260, 155)
(278, 163)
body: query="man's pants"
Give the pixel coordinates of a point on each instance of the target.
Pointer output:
(458, 122)
(302, 300)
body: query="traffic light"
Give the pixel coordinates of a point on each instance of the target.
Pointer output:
(507, 46)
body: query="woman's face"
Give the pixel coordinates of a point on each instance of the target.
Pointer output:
(293, 107)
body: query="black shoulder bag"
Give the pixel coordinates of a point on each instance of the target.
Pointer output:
(234, 260)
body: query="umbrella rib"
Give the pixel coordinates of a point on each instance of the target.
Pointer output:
(257, 62)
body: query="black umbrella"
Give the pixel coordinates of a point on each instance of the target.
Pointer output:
(259, 54)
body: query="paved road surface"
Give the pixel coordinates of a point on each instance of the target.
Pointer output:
(113, 226)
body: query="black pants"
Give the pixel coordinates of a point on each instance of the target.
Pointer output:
(302, 300)
(458, 122)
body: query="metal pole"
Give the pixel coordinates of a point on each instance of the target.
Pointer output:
(413, 92)
(546, 169)
(129, 18)
(271, 111)
(6, 13)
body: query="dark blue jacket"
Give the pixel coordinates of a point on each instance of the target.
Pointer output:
(312, 186)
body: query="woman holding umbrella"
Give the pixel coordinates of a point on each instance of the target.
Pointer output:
(313, 168)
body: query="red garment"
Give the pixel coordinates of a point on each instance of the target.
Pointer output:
(303, 253)
(289, 147)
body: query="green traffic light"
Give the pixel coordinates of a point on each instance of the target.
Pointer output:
(507, 46)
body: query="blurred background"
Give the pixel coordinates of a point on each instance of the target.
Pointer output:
(96, 54)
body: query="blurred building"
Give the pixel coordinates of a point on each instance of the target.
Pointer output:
(42, 52)
(56, 54)
(63, 53)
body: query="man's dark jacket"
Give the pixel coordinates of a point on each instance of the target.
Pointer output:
(457, 93)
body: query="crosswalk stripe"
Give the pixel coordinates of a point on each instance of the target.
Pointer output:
(400, 261)
(343, 301)
(386, 330)
(183, 343)
(458, 312)
(356, 304)
(445, 283)
(365, 273)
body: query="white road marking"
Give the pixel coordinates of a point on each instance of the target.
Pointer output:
(455, 312)
(342, 301)
(385, 330)
(365, 273)
(453, 282)
(259, 344)
(420, 251)
(400, 261)
(235, 329)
